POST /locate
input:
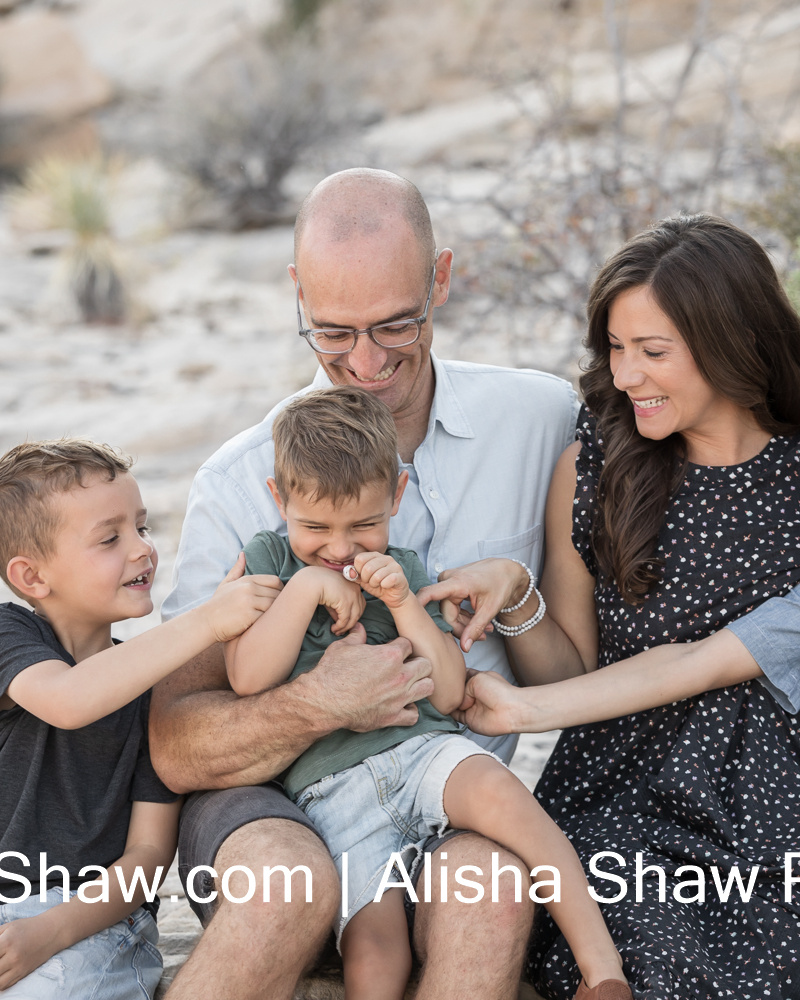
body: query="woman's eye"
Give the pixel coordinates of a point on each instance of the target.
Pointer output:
(654, 354)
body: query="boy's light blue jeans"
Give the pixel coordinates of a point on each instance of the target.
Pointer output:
(121, 962)
(390, 803)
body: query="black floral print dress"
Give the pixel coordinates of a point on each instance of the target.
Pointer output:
(712, 782)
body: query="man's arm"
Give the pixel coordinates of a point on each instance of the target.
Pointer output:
(26, 943)
(202, 735)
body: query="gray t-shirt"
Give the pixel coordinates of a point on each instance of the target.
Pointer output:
(64, 793)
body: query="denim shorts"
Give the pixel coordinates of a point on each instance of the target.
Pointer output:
(121, 962)
(390, 803)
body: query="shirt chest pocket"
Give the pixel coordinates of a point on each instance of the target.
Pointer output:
(525, 546)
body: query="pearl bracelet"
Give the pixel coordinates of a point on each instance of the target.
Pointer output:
(512, 630)
(528, 592)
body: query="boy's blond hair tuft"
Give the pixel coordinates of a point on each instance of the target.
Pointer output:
(330, 443)
(30, 475)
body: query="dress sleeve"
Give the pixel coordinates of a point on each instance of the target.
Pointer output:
(771, 633)
(588, 465)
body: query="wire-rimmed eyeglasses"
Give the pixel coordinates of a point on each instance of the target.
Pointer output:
(336, 340)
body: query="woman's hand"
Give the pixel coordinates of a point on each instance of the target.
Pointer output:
(488, 585)
(490, 705)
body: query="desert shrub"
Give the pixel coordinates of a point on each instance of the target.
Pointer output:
(73, 195)
(242, 127)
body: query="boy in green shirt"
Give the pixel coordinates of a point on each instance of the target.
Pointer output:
(381, 793)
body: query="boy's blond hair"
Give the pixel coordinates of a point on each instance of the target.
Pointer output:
(30, 475)
(330, 443)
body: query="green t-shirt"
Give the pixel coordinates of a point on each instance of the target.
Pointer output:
(270, 553)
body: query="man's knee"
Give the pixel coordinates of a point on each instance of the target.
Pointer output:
(277, 871)
(496, 900)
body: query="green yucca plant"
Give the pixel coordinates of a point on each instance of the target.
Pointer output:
(73, 195)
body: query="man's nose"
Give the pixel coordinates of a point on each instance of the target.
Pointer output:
(367, 358)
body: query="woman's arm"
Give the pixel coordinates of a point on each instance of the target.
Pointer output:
(658, 676)
(383, 577)
(26, 943)
(564, 643)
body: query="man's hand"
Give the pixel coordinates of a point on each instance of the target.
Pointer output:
(239, 600)
(382, 576)
(25, 944)
(488, 585)
(490, 704)
(369, 687)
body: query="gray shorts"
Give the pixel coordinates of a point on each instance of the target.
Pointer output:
(209, 818)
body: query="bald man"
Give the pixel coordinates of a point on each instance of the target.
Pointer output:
(479, 444)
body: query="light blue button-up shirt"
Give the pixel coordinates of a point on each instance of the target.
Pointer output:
(477, 488)
(771, 633)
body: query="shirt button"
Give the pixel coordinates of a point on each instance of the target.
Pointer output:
(438, 567)
(433, 494)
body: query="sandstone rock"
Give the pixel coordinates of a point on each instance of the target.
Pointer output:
(44, 71)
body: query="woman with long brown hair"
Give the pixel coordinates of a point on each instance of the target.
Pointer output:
(676, 512)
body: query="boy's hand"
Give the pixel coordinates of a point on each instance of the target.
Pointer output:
(381, 576)
(343, 599)
(25, 944)
(239, 600)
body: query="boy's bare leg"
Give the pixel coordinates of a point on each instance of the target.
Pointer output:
(484, 796)
(255, 949)
(477, 949)
(376, 952)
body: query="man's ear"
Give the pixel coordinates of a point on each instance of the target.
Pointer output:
(273, 488)
(402, 482)
(444, 271)
(24, 576)
(292, 273)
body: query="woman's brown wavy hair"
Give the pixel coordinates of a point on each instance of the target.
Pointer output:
(718, 287)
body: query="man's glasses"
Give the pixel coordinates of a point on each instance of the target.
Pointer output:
(336, 340)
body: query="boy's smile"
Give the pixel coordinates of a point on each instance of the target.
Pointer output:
(103, 567)
(322, 533)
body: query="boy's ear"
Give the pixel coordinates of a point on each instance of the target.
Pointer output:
(272, 487)
(402, 482)
(23, 574)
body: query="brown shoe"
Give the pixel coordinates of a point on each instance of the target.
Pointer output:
(609, 989)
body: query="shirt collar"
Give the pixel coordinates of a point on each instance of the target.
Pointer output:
(446, 408)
